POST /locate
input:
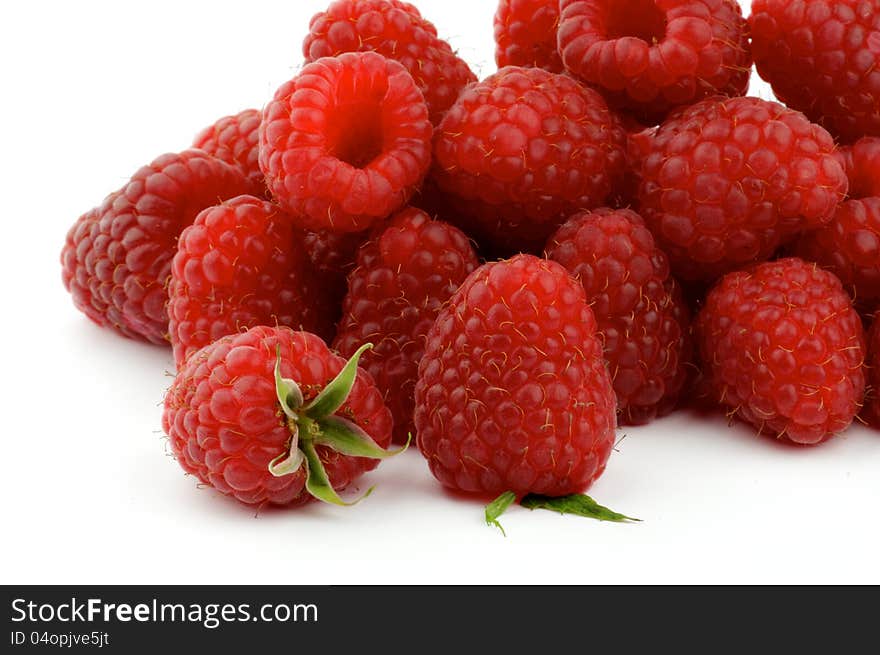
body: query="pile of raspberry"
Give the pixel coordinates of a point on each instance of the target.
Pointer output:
(502, 271)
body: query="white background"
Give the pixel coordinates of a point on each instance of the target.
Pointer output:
(90, 493)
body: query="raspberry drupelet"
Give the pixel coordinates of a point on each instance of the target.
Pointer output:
(346, 142)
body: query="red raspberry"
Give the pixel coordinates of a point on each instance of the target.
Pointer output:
(117, 257)
(638, 146)
(650, 56)
(239, 265)
(871, 409)
(346, 142)
(849, 246)
(783, 349)
(726, 182)
(862, 163)
(395, 30)
(404, 275)
(522, 151)
(333, 253)
(333, 257)
(641, 317)
(525, 34)
(822, 57)
(235, 140)
(228, 425)
(513, 393)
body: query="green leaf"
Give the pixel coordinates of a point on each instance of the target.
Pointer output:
(334, 394)
(317, 482)
(497, 507)
(578, 504)
(288, 391)
(348, 438)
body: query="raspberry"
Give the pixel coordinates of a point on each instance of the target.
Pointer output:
(513, 393)
(641, 317)
(726, 182)
(345, 143)
(235, 140)
(638, 146)
(862, 163)
(117, 257)
(395, 30)
(523, 150)
(239, 265)
(332, 253)
(404, 275)
(849, 246)
(871, 409)
(783, 350)
(650, 56)
(822, 57)
(525, 34)
(242, 416)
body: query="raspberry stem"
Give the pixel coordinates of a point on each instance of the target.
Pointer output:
(315, 424)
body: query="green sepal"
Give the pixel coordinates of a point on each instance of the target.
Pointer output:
(348, 438)
(289, 394)
(578, 504)
(497, 507)
(317, 482)
(287, 463)
(334, 394)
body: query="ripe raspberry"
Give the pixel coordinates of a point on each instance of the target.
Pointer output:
(849, 246)
(513, 393)
(525, 34)
(117, 257)
(783, 349)
(404, 275)
(641, 317)
(395, 30)
(235, 422)
(332, 253)
(345, 143)
(333, 257)
(822, 57)
(871, 409)
(638, 146)
(239, 265)
(521, 151)
(726, 182)
(235, 140)
(650, 56)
